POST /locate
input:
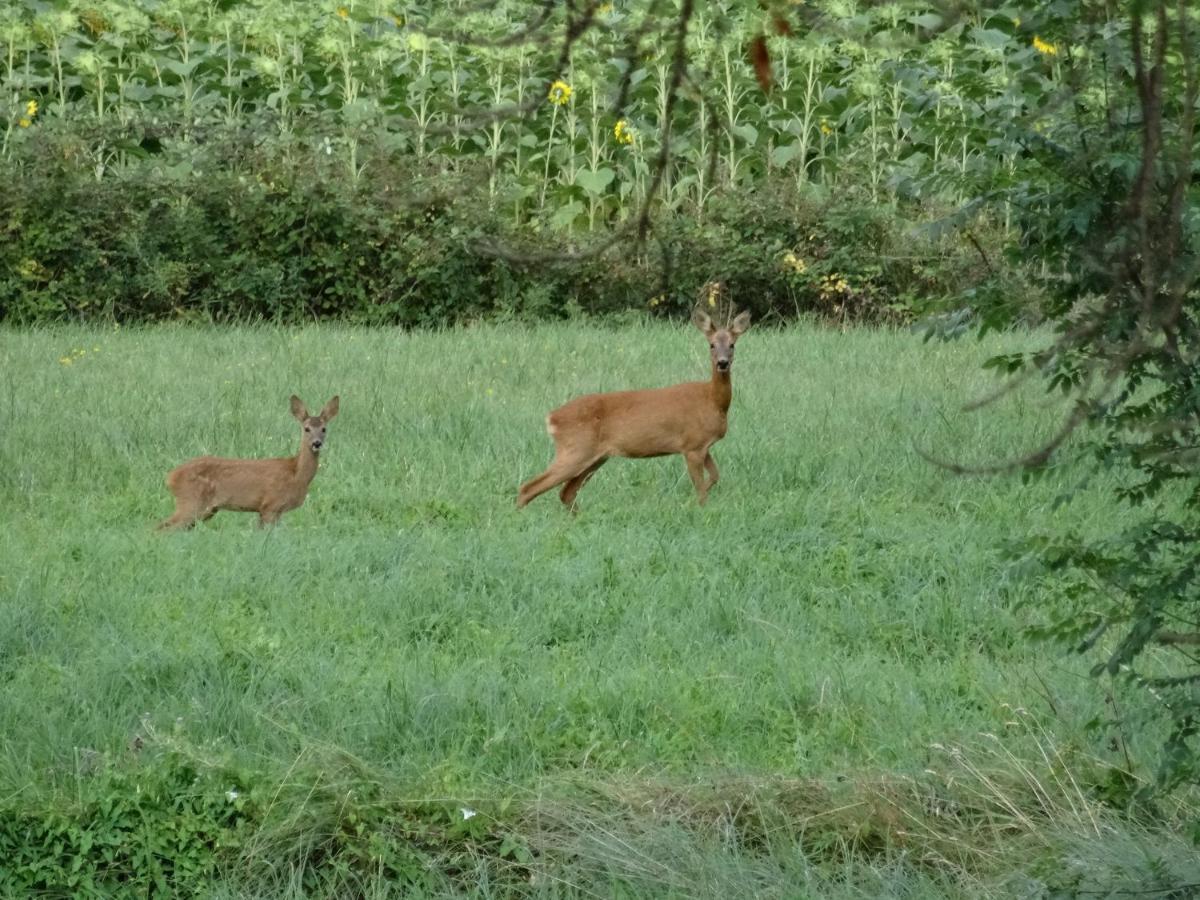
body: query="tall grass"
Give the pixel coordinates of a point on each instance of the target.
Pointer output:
(839, 606)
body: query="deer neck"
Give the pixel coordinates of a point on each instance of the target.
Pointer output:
(306, 466)
(722, 388)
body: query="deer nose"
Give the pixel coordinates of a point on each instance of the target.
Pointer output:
(723, 364)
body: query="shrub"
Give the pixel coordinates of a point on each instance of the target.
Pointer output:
(277, 232)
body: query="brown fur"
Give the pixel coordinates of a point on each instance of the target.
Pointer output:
(269, 487)
(684, 418)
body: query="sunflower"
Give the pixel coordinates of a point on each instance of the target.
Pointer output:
(560, 93)
(1043, 47)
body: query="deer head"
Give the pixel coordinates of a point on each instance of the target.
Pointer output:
(721, 340)
(313, 434)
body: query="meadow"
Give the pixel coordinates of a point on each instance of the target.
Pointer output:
(839, 612)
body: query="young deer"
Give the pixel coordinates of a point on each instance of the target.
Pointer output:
(685, 418)
(269, 487)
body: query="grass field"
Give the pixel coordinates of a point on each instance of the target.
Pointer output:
(838, 610)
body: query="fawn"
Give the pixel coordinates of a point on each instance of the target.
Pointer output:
(269, 487)
(684, 418)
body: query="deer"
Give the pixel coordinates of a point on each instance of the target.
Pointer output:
(270, 487)
(685, 418)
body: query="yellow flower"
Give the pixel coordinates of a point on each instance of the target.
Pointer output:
(24, 123)
(825, 129)
(604, 9)
(623, 133)
(31, 109)
(832, 285)
(1016, 23)
(65, 360)
(795, 263)
(1042, 47)
(343, 13)
(560, 93)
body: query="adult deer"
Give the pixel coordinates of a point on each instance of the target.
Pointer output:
(684, 418)
(269, 487)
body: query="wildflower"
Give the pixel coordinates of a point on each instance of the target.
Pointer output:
(655, 301)
(31, 268)
(833, 285)
(65, 360)
(467, 813)
(231, 795)
(825, 129)
(1043, 47)
(604, 9)
(560, 93)
(623, 133)
(24, 123)
(795, 263)
(31, 109)
(343, 13)
(1016, 22)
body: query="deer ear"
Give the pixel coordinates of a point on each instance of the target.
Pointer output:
(299, 410)
(330, 410)
(701, 320)
(741, 323)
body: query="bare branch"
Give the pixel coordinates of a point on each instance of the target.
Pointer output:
(1032, 460)
(1184, 638)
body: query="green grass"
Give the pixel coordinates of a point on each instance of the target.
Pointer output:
(838, 607)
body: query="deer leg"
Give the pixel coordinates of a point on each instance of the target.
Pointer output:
(695, 465)
(571, 488)
(180, 519)
(562, 469)
(189, 507)
(268, 517)
(713, 472)
(535, 487)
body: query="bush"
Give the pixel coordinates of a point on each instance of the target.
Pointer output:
(238, 233)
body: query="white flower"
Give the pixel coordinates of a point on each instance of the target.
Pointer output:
(467, 813)
(231, 795)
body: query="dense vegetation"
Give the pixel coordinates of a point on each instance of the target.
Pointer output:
(292, 159)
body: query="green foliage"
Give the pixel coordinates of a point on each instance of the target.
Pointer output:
(252, 161)
(259, 235)
(156, 830)
(166, 825)
(1120, 258)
